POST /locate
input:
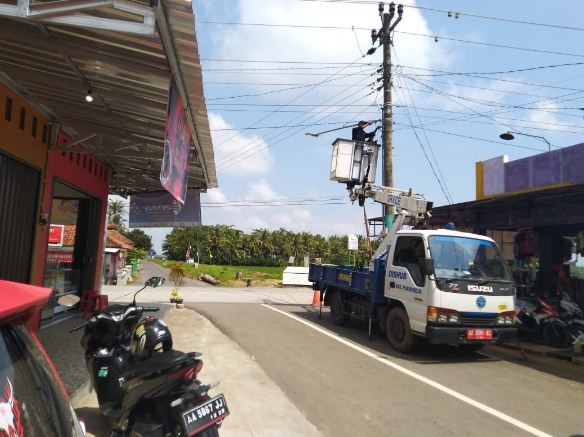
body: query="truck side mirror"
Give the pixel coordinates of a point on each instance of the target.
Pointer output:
(429, 266)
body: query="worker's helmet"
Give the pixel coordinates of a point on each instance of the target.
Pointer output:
(150, 336)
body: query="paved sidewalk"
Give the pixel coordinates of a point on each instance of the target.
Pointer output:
(258, 406)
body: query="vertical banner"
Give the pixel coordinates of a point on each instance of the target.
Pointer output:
(177, 145)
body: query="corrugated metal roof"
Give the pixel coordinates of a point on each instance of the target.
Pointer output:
(129, 77)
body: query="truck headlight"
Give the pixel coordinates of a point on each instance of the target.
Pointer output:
(442, 315)
(506, 318)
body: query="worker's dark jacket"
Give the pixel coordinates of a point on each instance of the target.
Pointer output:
(359, 134)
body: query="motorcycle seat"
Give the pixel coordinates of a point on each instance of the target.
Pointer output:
(157, 363)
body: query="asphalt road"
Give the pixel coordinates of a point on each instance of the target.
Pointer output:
(347, 385)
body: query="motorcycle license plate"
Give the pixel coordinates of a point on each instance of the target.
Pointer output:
(204, 415)
(479, 334)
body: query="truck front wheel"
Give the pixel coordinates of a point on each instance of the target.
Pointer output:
(398, 331)
(340, 317)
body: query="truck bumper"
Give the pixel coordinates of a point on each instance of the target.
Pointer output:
(457, 335)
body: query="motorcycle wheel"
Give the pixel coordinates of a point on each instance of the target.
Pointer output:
(555, 333)
(575, 330)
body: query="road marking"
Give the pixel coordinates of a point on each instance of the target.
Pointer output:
(498, 414)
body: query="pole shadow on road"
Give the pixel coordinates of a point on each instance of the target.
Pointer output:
(356, 331)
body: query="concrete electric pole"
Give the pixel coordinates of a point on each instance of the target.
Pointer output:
(384, 36)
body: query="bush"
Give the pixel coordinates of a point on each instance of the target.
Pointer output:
(177, 273)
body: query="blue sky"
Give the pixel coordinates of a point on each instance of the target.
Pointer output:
(258, 161)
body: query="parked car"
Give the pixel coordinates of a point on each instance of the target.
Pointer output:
(33, 399)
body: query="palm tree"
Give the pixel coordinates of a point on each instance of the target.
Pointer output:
(115, 210)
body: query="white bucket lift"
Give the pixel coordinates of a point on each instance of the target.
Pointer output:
(353, 160)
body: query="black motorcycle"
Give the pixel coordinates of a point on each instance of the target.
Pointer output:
(144, 387)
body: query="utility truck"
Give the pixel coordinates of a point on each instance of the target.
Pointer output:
(441, 285)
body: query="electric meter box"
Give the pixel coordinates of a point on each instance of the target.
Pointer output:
(351, 159)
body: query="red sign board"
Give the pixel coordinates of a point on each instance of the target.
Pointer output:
(56, 233)
(62, 257)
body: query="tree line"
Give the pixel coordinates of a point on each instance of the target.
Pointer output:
(223, 244)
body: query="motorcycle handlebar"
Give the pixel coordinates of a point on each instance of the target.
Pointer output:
(151, 309)
(78, 327)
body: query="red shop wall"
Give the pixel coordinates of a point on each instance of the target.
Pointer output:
(86, 173)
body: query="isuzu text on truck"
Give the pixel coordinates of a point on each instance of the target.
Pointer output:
(445, 286)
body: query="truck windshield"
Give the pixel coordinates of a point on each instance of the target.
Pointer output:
(468, 258)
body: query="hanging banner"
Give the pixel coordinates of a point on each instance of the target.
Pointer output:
(177, 146)
(161, 210)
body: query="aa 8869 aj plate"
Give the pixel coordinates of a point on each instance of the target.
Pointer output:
(204, 415)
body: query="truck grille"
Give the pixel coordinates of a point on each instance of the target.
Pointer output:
(478, 321)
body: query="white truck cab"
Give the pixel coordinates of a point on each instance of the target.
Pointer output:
(455, 287)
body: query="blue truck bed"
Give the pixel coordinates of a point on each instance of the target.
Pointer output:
(352, 279)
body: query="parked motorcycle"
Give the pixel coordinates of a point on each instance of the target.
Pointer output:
(145, 387)
(538, 317)
(559, 328)
(572, 314)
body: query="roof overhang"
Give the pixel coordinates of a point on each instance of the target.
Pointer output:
(126, 53)
(559, 208)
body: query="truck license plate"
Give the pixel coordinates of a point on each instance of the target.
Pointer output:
(479, 334)
(204, 415)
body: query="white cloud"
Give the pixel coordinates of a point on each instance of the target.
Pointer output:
(237, 153)
(261, 190)
(322, 45)
(544, 114)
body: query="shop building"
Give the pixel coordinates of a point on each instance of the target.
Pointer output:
(84, 92)
(533, 208)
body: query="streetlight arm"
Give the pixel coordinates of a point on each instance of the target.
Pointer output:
(510, 137)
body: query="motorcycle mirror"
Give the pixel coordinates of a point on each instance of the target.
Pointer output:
(155, 281)
(68, 300)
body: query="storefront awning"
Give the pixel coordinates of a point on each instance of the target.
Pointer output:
(111, 250)
(558, 209)
(124, 53)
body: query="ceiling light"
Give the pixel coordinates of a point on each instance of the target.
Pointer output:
(88, 96)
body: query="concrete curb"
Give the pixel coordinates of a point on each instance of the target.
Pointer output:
(80, 394)
(561, 354)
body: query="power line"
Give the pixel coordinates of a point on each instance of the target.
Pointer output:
(434, 37)
(440, 179)
(233, 161)
(229, 158)
(230, 163)
(508, 144)
(329, 78)
(517, 70)
(458, 14)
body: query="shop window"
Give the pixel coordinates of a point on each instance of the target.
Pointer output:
(8, 109)
(22, 119)
(45, 134)
(34, 127)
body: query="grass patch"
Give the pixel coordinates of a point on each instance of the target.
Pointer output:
(227, 274)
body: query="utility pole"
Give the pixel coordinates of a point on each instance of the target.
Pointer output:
(384, 36)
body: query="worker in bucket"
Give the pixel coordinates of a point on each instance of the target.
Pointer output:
(359, 133)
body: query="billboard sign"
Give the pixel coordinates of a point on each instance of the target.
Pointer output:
(352, 242)
(177, 147)
(161, 210)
